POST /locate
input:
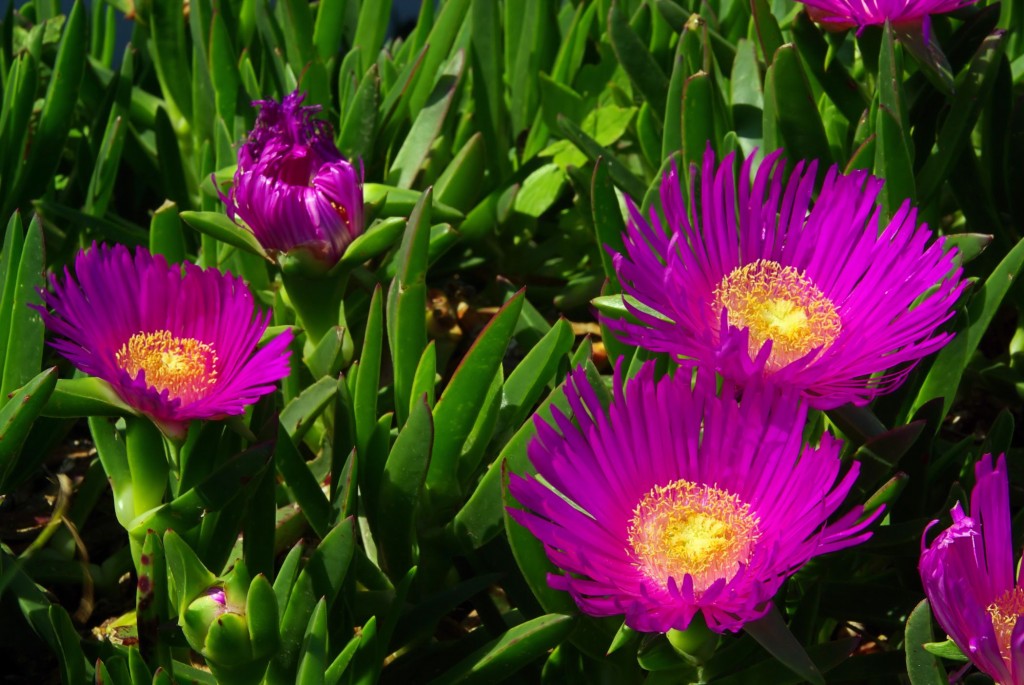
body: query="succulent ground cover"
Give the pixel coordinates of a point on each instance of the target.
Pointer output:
(551, 341)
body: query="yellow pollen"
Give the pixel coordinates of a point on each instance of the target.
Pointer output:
(685, 528)
(185, 367)
(1005, 611)
(780, 304)
(341, 211)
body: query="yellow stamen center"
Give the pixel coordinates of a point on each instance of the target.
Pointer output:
(780, 304)
(685, 528)
(1005, 611)
(185, 367)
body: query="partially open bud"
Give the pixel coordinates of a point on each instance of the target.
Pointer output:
(234, 625)
(293, 188)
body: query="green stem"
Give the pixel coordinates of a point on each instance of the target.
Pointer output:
(172, 453)
(147, 463)
(316, 297)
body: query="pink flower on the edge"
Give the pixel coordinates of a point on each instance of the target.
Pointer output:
(176, 344)
(761, 283)
(293, 188)
(968, 576)
(677, 500)
(844, 14)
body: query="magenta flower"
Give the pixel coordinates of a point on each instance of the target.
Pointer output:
(968, 575)
(674, 501)
(815, 298)
(845, 14)
(293, 189)
(174, 345)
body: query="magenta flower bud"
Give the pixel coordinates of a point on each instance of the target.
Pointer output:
(293, 188)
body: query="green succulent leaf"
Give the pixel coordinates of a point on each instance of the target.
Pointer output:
(923, 667)
(219, 227)
(504, 656)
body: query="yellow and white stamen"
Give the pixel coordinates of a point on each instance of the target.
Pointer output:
(686, 528)
(1005, 611)
(781, 304)
(185, 367)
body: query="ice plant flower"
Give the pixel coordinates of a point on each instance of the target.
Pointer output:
(845, 14)
(176, 343)
(968, 576)
(761, 283)
(677, 500)
(293, 188)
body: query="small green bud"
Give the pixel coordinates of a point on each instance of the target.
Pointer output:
(697, 643)
(201, 613)
(234, 626)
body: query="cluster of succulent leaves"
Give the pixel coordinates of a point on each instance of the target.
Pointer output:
(365, 500)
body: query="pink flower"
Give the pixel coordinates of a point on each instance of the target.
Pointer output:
(844, 14)
(674, 500)
(175, 344)
(762, 283)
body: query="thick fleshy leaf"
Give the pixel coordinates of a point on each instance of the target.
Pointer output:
(324, 574)
(797, 114)
(772, 633)
(406, 304)
(24, 348)
(698, 120)
(832, 74)
(303, 485)
(503, 657)
(455, 412)
(218, 226)
(313, 663)
(370, 31)
(400, 488)
(622, 176)
(212, 494)
(439, 44)
(191, 577)
(300, 414)
(768, 33)
(427, 125)
(635, 59)
(358, 130)
(368, 376)
(923, 667)
(16, 419)
(89, 396)
(52, 129)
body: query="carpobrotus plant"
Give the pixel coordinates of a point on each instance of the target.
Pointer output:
(427, 213)
(677, 500)
(764, 283)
